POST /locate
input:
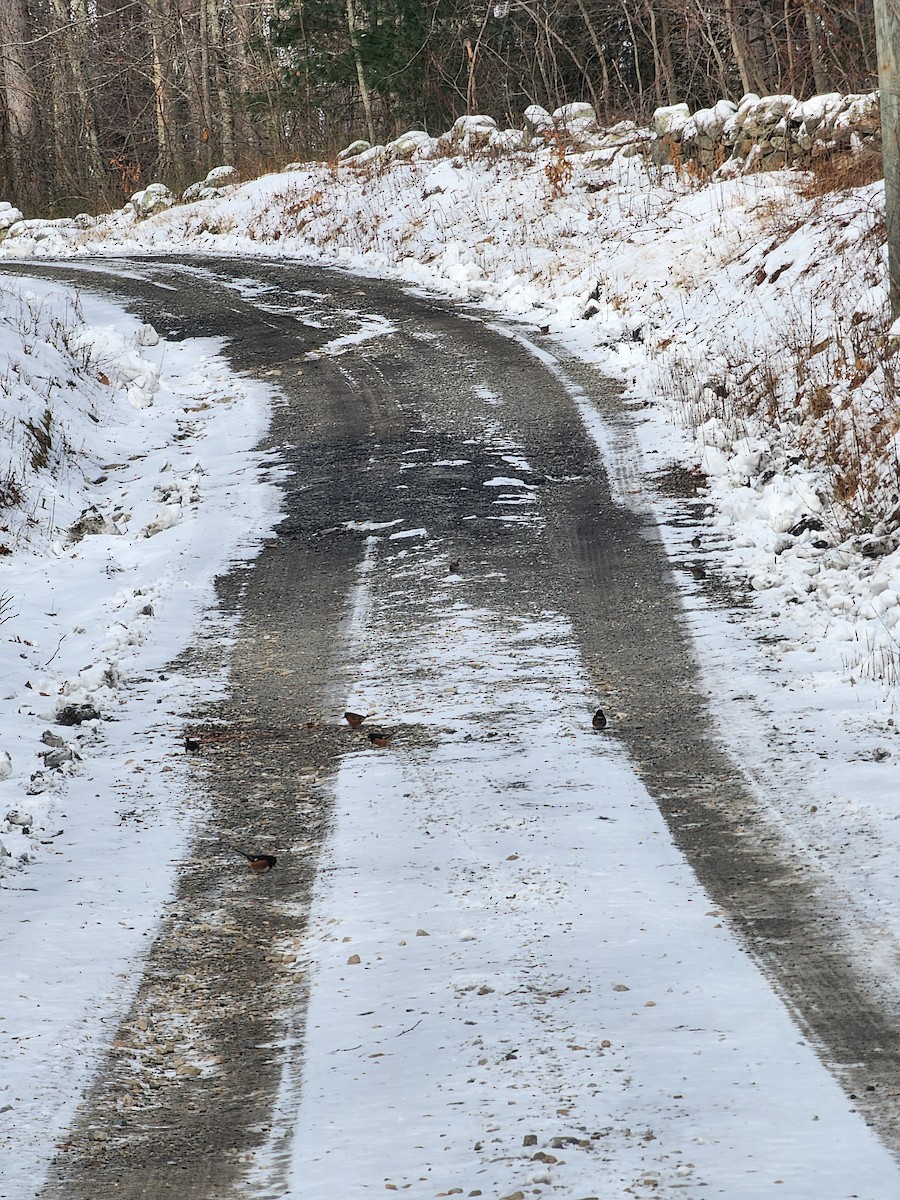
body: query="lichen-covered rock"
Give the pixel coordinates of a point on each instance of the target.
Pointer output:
(413, 144)
(862, 114)
(667, 126)
(215, 182)
(577, 121)
(9, 215)
(538, 122)
(766, 113)
(352, 151)
(224, 176)
(472, 132)
(670, 120)
(374, 155)
(154, 198)
(704, 129)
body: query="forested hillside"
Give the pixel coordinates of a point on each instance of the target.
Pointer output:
(98, 97)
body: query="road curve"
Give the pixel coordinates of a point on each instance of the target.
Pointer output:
(412, 373)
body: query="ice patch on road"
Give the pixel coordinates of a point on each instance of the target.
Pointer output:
(371, 326)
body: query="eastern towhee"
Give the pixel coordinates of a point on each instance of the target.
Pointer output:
(354, 720)
(381, 737)
(260, 863)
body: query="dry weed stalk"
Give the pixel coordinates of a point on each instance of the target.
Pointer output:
(830, 405)
(558, 170)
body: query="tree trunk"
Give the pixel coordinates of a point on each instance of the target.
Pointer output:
(744, 35)
(225, 114)
(657, 57)
(598, 50)
(19, 100)
(203, 112)
(241, 32)
(721, 86)
(665, 29)
(364, 94)
(168, 159)
(820, 76)
(90, 166)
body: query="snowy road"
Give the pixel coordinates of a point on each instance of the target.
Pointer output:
(517, 984)
(545, 1002)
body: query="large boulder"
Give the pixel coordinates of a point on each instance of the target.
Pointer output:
(220, 177)
(706, 126)
(470, 133)
(702, 138)
(413, 144)
(862, 114)
(360, 146)
(670, 120)
(538, 122)
(153, 199)
(577, 121)
(506, 141)
(667, 126)
(758, 132)
(8, 216)
(215, 182)
(810, 117)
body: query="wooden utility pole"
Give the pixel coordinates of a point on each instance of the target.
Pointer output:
(887, 26)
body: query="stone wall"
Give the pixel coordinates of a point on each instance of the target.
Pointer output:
(758, 134)
(766, 133)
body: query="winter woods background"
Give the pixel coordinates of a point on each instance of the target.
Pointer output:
(98, 97)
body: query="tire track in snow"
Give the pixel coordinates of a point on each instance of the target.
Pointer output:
(517, 985)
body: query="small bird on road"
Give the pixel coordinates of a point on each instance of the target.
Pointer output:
(354, 720)
(381, 737)
(192, 745)
(454, 567)
(260, 863)
(599, 720)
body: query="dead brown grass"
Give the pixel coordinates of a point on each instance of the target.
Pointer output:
(841, 173)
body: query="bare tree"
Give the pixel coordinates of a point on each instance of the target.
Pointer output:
(19, 98)
(98, 97)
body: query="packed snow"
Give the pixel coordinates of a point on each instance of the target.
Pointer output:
(518, 987)
(745, 319)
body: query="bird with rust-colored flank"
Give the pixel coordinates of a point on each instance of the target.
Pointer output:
(260, 863)
(599, 719)
(354, 720)
(381, 737)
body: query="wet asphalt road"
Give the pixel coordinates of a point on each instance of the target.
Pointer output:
(416, 374)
